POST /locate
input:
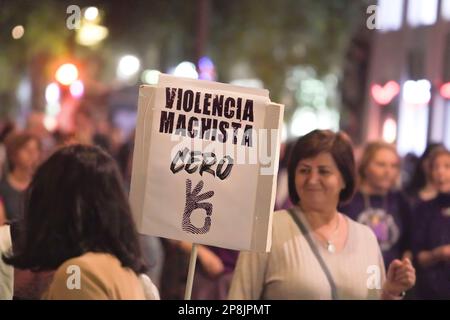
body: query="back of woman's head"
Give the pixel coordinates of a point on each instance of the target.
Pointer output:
(76, 204)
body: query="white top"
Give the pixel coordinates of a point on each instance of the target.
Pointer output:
(6, 271)
(291, 270)
(151, 292)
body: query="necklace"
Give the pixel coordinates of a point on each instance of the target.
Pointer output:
(331, 248)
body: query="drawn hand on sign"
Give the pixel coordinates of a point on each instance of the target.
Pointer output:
(193, 199)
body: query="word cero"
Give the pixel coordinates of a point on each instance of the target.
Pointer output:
(191, 161)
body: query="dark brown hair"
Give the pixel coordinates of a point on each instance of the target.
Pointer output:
(76, 204)
(319, 141)
(436, 154)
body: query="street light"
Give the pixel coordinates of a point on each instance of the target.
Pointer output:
(66, 74)
(91, 13)
(17, 32)
(186, 69)
(128, 66)
(77, 89)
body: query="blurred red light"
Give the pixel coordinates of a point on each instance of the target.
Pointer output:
(445, 90)
(67, 74)
(383, 95)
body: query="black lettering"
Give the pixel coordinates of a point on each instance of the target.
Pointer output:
(197, 103)
(193, 161)
(214, 130)
(181, 125)
(170, 97)
(188, 100)
(207, 104)
(248, 111)
(189, 168)
(179, 156)
(238, 108)
(206, 128)
(235, 126)
(217, 108)
(192, 122)
(229, 104)
(248, 134)
(223, 126)
(166, 122)
(180, 98)
(224, 174)
(206, 165)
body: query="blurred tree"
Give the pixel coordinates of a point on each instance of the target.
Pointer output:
(269, 37)
(273, 36)
(44, 38)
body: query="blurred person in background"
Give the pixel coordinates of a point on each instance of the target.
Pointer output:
(407, 169)
(213, 273)
(431, 238)
(35, 125)
(378, 204)
(84, 128)
(421, 186)
(6, 128)
(23, 151)
(91, 130)
(23, 154)
(77, 213)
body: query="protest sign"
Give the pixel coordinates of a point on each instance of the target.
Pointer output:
(205, 163)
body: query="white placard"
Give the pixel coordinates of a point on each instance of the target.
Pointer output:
(205, 162)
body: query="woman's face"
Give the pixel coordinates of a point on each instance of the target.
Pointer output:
(27, 158)
(318, 182)
(382, 170)
(440, 172)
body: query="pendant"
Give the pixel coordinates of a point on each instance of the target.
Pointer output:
(330, 247)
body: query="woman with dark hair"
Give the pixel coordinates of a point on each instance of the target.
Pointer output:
(431, 239)
(23, 155)
(317, 252)
(378, 205)
(421, 187)
(78, 222)
(5, 129)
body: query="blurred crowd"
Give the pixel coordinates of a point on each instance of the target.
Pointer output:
(405, 201)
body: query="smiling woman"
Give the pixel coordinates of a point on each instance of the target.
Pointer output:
(318, 253)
